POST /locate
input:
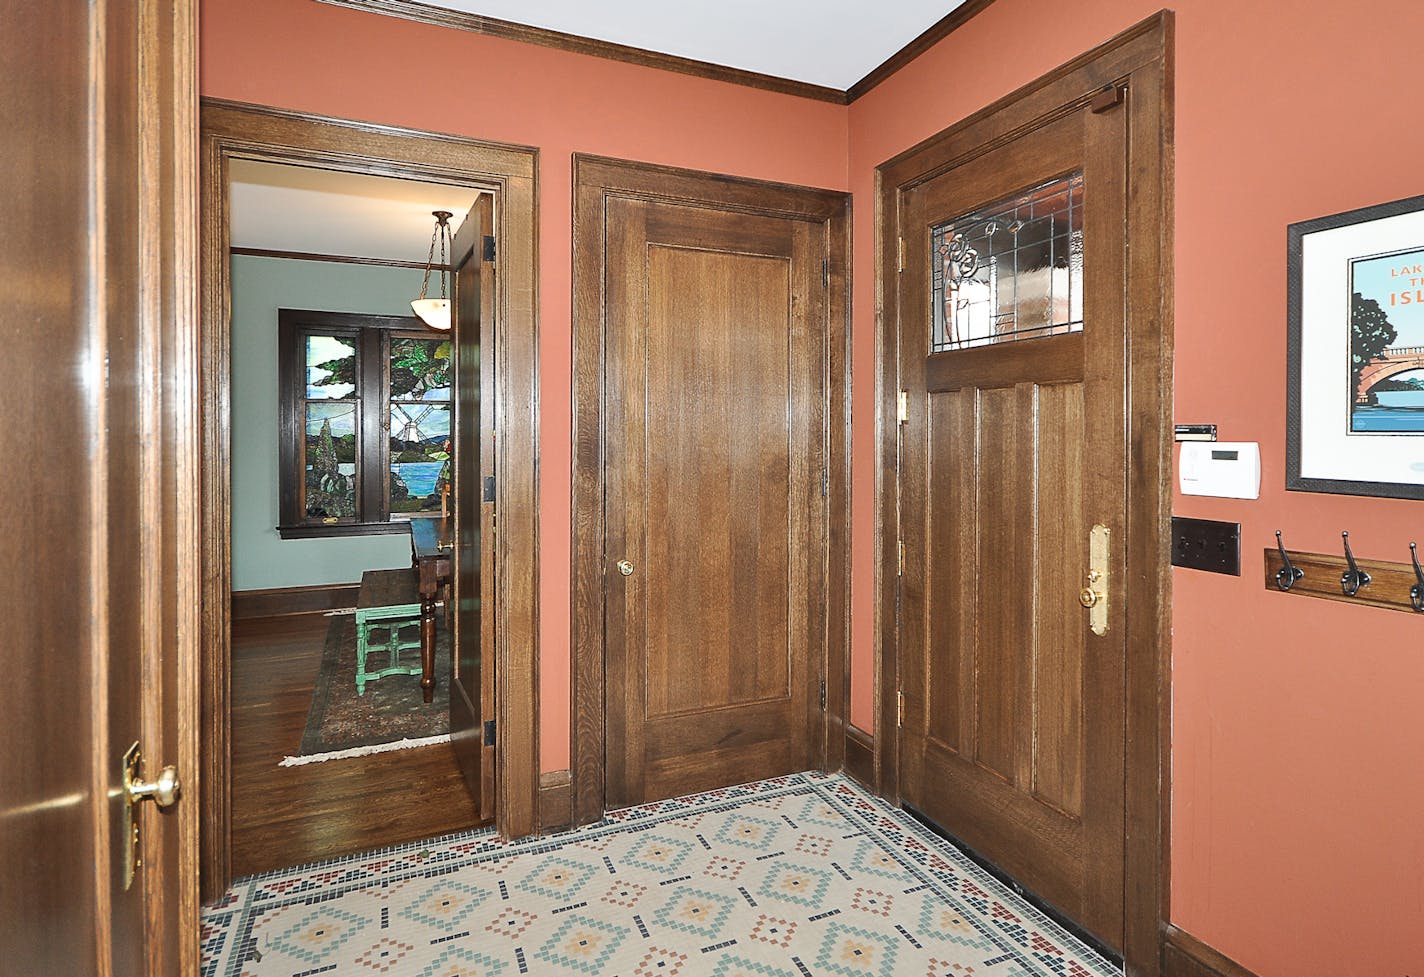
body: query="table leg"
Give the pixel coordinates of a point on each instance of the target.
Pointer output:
(427, 648)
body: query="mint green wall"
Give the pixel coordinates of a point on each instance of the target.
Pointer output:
(261, 286)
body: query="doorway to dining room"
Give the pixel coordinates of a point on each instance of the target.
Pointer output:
(352, 383)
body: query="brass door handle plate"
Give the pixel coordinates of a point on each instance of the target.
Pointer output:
(164, 792)
(1094, 596)
(625, 568)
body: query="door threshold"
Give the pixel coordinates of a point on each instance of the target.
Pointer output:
(1032, 898)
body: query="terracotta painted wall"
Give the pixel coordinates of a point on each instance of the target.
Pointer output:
(298, 54)
(1296, 846)
(1298, 736)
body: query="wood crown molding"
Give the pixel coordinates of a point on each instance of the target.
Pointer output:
(425, 13)
(345, 259)
(1183, 955)
(932, 35)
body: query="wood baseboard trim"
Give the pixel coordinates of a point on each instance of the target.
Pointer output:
(1183, 955)
(284, 601)
(860, 756)
(556, 801)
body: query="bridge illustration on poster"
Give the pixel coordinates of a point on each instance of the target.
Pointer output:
(1387, 343)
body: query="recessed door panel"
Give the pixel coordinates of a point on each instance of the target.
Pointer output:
(715, 542)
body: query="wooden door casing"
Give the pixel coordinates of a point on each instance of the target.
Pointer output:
(475, 575)
(1012, 729)
(710, 327)
(1129, 74)
(234, 130)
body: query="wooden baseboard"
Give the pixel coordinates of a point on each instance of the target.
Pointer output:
(556, 801)
(860, 756)
(1183, 955)
(283, 601)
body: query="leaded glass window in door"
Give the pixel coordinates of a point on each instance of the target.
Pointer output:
(1010, 271)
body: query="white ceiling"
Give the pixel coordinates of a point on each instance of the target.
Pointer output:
(277, 207)
(826, 42)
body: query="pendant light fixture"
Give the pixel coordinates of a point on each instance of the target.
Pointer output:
(435, 313)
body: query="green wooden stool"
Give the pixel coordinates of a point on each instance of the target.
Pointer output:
(390, 600)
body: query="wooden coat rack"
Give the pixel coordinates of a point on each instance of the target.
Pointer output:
(1343, 577)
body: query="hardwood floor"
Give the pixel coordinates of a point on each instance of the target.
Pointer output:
(285, 816)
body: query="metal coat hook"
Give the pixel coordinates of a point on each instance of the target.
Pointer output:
(1289, 573)
(1354, 578)
(1416, 592)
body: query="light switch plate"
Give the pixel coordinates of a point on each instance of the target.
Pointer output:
(1206, 544)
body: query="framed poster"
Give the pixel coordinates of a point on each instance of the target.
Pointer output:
(1355, 370)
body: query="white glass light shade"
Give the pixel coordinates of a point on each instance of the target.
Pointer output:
(435, 313)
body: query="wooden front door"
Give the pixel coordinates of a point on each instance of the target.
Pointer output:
(98, 538)
(715, 545)
(475, 573)
(1013, 342)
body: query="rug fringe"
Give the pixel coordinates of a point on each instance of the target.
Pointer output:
(356, 751)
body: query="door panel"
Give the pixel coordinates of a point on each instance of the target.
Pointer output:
(1014, 448)
(714, 394)
(472, 678)
(97, 529)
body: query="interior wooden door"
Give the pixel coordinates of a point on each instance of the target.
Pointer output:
(715, 546)
(475, 575)
(1012, 340)
(97, 534)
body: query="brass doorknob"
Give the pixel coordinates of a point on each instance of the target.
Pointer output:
(164, 791)
(625, 568)
(1088, 597)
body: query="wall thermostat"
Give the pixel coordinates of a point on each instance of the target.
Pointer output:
(1226, 469)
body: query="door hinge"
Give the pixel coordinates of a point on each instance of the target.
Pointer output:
(488, 494)
(1108, 99)
(902, 407)
(489, 732)
(900, 558)
(900, 254)
(823, 695)
(489, 247)
(825, 273)
(825, 483)
(899, 709)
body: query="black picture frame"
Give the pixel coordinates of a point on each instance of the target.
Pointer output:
(1296, 235)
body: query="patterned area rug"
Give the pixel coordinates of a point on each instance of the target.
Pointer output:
(390, 712)
(801, 876)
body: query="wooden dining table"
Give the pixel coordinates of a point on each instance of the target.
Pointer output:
(431, 548)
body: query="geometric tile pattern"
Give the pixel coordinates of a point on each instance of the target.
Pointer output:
(800, 876)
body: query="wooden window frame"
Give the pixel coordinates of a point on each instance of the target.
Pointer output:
(373, 334)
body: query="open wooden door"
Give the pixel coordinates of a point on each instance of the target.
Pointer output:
(472, 705)
(98, 538)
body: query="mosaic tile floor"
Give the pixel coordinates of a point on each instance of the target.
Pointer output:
(801, 876)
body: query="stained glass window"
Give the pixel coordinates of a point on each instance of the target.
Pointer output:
(331, 460)
(368, 402)
(418, 418)
(331, 367)
(1010, 271)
